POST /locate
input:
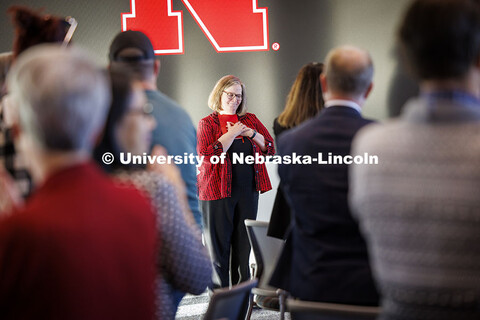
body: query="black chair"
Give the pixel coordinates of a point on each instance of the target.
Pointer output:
(266, 251)
(231, 303)
(310, 310)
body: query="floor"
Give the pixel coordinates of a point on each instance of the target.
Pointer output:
(193, 308)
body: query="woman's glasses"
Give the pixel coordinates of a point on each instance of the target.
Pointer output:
(231, 95)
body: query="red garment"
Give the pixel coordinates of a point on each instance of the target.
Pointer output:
(224, 118)
(81, 248)
(215, 180)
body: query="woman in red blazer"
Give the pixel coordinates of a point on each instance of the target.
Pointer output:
(228, 185)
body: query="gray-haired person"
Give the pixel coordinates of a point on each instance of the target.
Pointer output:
(81, 247)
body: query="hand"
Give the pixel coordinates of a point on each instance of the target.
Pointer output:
(10, 196)
(248, 133)
(238, 128)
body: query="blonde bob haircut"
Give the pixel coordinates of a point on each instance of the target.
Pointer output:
(215, 97)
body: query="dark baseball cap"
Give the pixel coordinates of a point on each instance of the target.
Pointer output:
(131, 40)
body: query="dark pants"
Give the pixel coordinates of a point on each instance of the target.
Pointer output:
(226, 236)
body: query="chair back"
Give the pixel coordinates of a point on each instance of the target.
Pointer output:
(310, 310)
(265, 249)
(231, 303)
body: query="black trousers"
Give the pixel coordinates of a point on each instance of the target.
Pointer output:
(226, 236)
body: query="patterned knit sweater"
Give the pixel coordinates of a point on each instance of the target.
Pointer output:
(183, 262)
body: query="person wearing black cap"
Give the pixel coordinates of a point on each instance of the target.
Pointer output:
(133, 50)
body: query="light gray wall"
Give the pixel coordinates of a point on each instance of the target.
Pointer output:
(305, 30)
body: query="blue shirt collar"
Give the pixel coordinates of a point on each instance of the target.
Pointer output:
(458, 96)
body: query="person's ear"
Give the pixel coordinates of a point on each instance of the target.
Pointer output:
(369, 89)
(156, 68)
(16, 131)
(323, 81)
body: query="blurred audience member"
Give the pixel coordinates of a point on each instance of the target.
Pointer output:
(325, 257)
(174, 130)
(304, 101)
(81, 247)
(419, 207)
(31, 28)
(182, 261)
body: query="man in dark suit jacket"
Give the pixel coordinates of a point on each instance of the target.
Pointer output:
(325, 258)
(81, 247)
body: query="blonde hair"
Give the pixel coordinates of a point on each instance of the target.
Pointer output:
(215, 97)
(305, 97)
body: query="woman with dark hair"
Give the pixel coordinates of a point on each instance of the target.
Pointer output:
(123, 133)
(304, 101)
(31, 28)
(228, 189)
(183, 263)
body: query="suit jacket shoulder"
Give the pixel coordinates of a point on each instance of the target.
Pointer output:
(333, 123)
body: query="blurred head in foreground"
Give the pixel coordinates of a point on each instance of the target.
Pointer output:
(441, 39)
(62, 99)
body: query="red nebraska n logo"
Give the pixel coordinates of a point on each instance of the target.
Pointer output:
(230, 26)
